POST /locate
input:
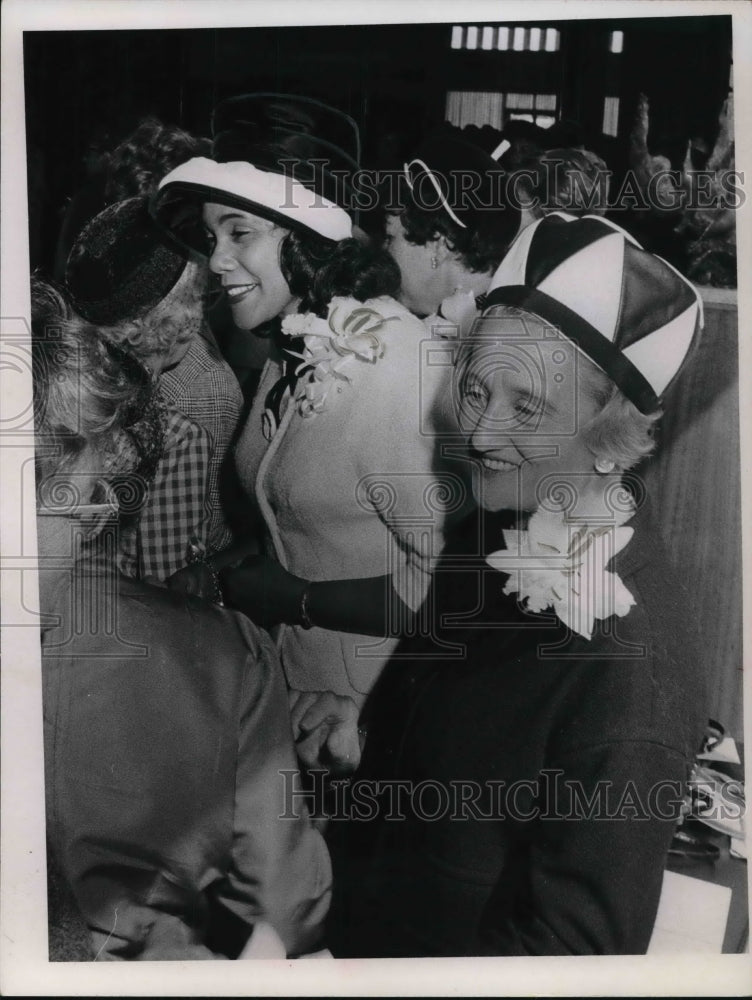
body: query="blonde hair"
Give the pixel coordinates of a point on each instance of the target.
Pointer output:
(173, 321)
(619, 430)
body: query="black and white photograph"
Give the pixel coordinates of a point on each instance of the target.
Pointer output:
(373, 446)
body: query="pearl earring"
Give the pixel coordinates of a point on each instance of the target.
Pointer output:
(434, 262)
(604, 465)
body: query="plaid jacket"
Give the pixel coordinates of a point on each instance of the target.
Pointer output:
(203, 387)
(176, 507)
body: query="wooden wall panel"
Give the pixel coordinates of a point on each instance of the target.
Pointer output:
(694, 483)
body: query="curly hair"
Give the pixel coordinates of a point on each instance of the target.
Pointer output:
(618, 431)
(173, 321)
(87, 392)
(316, 269)
(143, 158)
(573, 180)
(479, 249)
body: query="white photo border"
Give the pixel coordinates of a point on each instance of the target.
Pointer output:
(25, 970)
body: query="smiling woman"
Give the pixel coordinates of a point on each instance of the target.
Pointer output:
(536, 410)
(244, 251)
(340, 453)
(570, 621)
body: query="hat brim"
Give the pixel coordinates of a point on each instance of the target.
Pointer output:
(590, 341)
(268, 194)
(177, 209)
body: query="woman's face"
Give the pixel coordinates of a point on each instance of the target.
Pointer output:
(245, 255)
(423, 286)
(523, 405)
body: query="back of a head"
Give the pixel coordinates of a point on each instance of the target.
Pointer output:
(456, 189)
(87, 392)
(573, 180)
(143, 158)
(121, 267)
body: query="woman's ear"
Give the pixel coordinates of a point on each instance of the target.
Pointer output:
(440, 249)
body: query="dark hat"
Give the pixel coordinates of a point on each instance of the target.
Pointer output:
(629, 311)
(299, 136)
(120, 267)
(453, 176)
(519, 141)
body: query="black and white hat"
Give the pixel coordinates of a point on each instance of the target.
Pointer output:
(449, 175)
(282, 157)
(629, 311)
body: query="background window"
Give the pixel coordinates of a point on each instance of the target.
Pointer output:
(611, 116)
(517, 38)
(616, 43)
(466, 107)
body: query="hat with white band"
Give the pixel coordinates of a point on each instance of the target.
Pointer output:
(283, 157)
(274, 196)
(459, 179)
(629, 311)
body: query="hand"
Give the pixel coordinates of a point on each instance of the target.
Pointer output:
(325, 729)
(196, 579)
(263, 590)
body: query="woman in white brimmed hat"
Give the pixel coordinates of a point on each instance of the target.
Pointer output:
(542, 771)
(339, 453)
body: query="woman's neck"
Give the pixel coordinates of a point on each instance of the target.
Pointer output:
(460, 279)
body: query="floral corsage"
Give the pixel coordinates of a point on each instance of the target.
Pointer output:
(332, 346)
(557, 564)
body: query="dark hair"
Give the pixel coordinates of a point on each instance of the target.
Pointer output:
(317, 269)
(143, 158)
(479, 249)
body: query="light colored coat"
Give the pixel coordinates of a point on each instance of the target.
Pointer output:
(357, 480)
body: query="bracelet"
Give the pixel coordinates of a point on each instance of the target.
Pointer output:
(218, 597)
(197, 554)
(304, 619)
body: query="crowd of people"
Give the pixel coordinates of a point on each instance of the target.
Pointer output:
(376, 652)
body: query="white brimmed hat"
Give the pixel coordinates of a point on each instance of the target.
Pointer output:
(285, 158)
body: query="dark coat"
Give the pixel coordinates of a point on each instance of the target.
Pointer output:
(167, 732)
(546, 773)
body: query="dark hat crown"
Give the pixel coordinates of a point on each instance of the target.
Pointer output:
(120, 266)
(449, 173)
(304, 138)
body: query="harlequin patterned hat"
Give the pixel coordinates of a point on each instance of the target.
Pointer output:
(629, 311)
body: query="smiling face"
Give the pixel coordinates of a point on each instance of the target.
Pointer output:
(245, 254)
(524, 400)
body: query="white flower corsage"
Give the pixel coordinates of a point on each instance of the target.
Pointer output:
(556, 564)
(455, 316)
(349, 333)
